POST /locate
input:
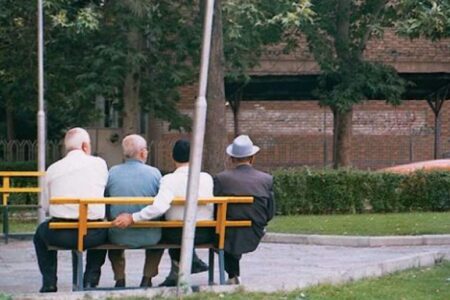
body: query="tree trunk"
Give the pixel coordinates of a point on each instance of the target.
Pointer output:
(216, 131)
(236, 122)
(154, 126)
(131, 87)
(342, 146)
(235, 102)
(10, 129)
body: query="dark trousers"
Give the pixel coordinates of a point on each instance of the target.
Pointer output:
(232, 264)
(174, 235)
(67, 238)
(152, 259)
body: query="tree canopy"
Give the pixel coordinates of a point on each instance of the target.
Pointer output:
(428, 18)
(88, 52)
(337, 37)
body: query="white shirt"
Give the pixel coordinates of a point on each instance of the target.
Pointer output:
(175, 185)
(76, 175)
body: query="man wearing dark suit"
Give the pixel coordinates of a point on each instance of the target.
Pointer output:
(244, 180)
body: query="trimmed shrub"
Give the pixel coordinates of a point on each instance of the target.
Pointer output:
(18, 166)
(326, 191)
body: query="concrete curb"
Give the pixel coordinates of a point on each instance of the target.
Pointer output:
(357, 241)
(363, 272)
(388, 267)
(331, 240)
(367, 271)
(163, 292)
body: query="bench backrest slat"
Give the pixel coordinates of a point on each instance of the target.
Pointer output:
(148, 200)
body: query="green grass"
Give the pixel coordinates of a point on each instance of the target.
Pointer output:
(364, 224)
(417, 284)
(426, 283)
(358, 224)
(16, 226)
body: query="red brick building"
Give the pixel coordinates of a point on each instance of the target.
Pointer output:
(278, 111)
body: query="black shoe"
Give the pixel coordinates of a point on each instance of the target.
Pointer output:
(90, 285)
(198, 266)
(169, 282)
(120, 283)
(146, 282)
(48, 289)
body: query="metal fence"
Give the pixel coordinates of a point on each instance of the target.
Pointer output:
(26, 150)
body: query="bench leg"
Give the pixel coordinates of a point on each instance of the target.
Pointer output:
(221, 266)
(77, 270)
(211, 267)
(5, 223)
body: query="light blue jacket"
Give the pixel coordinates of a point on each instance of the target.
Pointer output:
(132, 179)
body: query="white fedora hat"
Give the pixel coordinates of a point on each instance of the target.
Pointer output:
(242, 146)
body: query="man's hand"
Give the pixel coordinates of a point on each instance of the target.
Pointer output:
(123, 220)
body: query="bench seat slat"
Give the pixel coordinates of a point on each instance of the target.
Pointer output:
(21, 174)
(147, 224)
(20, 190)
(123, 247)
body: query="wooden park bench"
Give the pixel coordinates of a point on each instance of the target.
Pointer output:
(220, 223)
(9, 187)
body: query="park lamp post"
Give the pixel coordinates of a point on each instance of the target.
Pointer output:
(195, 159)
(41, 136)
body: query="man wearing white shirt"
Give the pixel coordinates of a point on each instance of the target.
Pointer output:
(77, 175)
(175, 185)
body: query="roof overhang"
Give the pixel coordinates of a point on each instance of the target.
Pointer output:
(301, 87)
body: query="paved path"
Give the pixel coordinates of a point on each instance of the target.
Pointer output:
(272, 267)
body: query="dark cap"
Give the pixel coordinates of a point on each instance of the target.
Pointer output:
(181, 150)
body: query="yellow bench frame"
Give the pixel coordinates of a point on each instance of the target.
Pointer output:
(83, 224)
(6, 189)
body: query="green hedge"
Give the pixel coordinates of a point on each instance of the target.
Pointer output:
(326, 191)
(18, 166)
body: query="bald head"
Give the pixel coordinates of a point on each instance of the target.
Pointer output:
(77, 139)
(135, 146)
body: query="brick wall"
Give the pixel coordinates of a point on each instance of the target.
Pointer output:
(294, 133)
(406, 55)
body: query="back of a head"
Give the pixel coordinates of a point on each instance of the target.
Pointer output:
(132, 144)
(75, 138)
(181, 151)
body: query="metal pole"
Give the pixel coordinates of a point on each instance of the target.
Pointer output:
(41, 113)
(195, 159)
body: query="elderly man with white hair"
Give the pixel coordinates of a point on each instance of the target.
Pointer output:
(133, 178)
(77, 175)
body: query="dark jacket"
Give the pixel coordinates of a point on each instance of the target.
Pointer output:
(244, 180)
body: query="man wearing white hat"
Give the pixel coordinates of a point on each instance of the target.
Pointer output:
(244, 180)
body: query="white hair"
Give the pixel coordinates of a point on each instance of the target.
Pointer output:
(132, 144)
(75, 138)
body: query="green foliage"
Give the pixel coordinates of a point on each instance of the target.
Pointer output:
(429, 18)
(18, 166)
(5, 296)
(249, 26)
(306, 191)
(337, 38)
(87, 54)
